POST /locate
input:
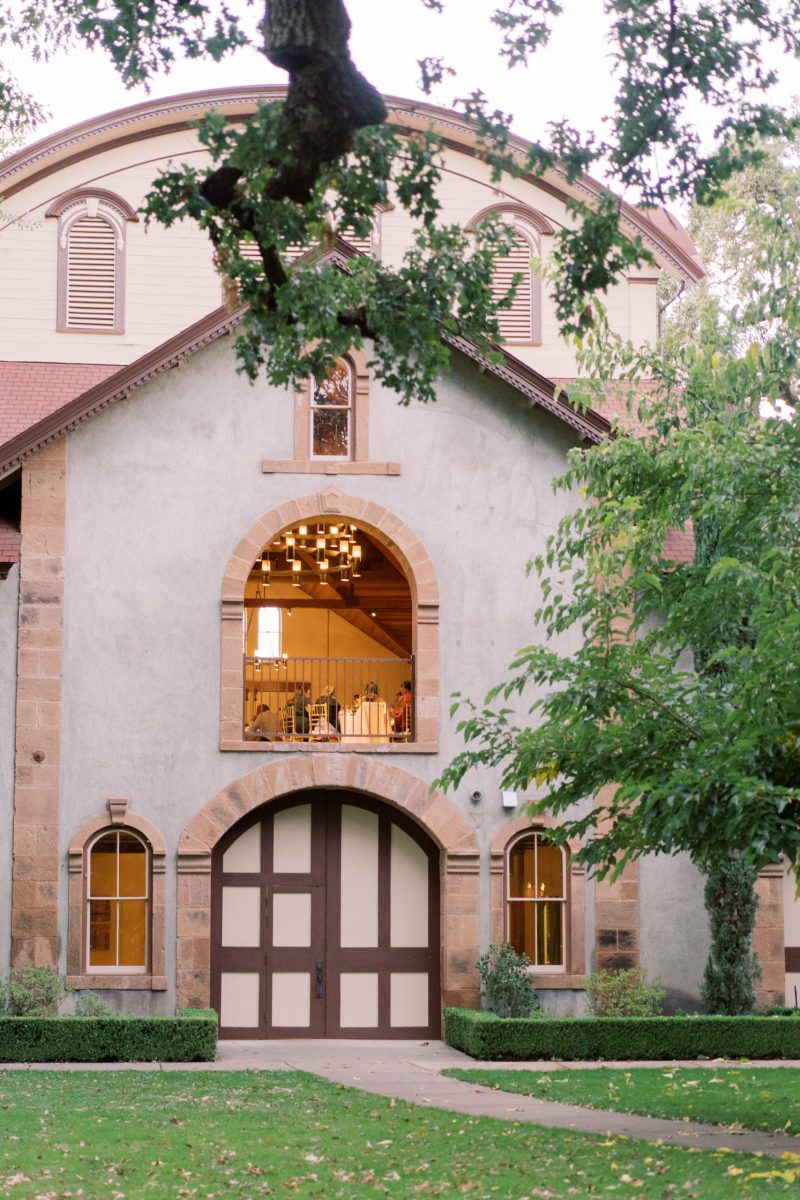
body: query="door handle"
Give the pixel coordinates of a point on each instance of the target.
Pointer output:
(320, 976)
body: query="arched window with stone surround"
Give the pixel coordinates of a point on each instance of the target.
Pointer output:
(116, 935)
(92, 236)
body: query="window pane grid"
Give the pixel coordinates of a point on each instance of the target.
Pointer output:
(536, 900)
(118, 903)
(331, 414)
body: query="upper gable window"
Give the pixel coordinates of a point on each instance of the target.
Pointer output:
(521, 324)
(331, 426)
(92, 227)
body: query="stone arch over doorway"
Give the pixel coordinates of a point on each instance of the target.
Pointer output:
(412, 556)
(394, 787)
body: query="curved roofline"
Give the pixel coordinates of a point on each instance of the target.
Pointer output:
(150, 118)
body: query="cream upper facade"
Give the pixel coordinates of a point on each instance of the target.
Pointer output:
(170, 281)
(232, 618)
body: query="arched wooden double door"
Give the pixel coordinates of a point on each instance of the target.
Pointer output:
(325, 922)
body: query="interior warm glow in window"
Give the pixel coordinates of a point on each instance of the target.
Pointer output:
(118, 901)
(536, 900)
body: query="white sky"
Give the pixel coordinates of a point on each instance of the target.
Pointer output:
(571, 78)
(387, 39)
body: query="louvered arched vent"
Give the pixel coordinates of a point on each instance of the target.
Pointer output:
(91, 275)
(516, 323)
(92, 241)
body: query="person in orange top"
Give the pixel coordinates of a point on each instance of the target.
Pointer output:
(402, 703)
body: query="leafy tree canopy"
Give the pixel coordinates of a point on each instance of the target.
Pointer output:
(664, 710)
(299, 173)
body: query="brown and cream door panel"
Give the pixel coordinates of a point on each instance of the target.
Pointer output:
(325, 923)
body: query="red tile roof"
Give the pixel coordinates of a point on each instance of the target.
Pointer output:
(32, 390)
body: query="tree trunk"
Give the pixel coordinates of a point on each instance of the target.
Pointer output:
(731, 970)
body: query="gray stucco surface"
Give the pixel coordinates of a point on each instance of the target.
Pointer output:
(9, 604)
(673, 927)
(161, 488)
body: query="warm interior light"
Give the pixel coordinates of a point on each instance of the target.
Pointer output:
(297, 566)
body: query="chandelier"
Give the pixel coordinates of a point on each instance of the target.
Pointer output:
(325, 551)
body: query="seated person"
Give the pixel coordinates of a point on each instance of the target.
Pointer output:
(265, 723)
(302, 705)
(402, 703)
(333, 706)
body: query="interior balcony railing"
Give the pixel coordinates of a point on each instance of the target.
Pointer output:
(355, 701)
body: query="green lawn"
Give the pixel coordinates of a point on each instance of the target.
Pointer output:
(125, 1135)
(752, 1098)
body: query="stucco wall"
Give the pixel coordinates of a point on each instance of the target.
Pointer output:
(162, 487)
(9, 601)
(673, 927)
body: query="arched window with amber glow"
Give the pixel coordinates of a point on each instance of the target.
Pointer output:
(536, 900)
(332, 413)
(118, 903)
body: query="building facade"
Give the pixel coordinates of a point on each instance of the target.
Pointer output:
(232, 618)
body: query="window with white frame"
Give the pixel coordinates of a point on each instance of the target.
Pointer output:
(117, 903)
(92, 235)
(536, 900)
(331, 425)
(268, 643)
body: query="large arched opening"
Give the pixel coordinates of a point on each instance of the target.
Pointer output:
(331, 601)
(396, 941)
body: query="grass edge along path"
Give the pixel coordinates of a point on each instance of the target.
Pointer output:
(736, 1097)
(130, 1135)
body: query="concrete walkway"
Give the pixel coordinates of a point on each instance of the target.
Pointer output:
(412, 1071)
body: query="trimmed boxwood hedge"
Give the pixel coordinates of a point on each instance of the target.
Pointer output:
(486, 1036)
(190, 1037)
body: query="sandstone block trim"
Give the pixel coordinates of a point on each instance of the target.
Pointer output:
(34, 914)
(407, 550)
(460, 883)
(119, 816)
